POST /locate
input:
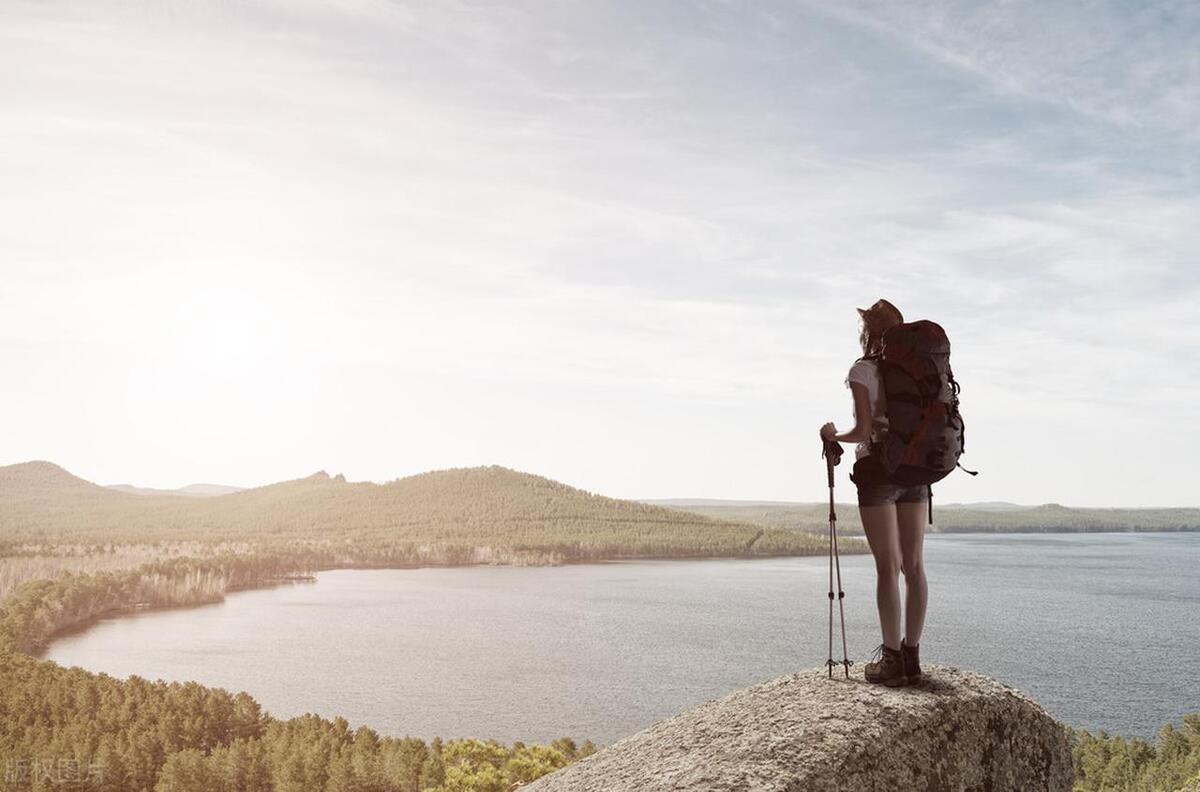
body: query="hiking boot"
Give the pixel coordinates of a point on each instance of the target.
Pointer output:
(912, 662)
(888, 670)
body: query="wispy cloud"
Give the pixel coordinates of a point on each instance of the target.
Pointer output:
(389, 236)
(1131, 64)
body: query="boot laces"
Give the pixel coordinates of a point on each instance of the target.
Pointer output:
(877, 655)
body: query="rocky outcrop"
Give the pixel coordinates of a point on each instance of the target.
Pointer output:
(955, 732)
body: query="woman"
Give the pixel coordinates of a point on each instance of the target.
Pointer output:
(892, 516)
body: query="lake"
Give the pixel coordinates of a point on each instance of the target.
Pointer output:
(1101, 629)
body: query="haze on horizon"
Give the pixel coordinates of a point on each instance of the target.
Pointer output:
(617, 244)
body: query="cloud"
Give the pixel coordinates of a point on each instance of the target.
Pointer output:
(1134, 65)
(406, 234)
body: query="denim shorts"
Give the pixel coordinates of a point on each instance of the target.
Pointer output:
(874, 489)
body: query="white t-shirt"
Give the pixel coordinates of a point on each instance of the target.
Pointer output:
(867, 373)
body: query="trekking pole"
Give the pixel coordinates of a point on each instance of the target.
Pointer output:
(832, 452)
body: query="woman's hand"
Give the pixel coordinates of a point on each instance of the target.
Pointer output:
(828, 431)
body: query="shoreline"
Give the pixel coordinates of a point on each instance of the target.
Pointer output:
(298, 579)
(311, 575)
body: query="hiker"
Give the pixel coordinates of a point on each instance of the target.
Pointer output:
(892, 515)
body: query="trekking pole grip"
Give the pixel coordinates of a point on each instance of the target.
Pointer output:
(832, 451)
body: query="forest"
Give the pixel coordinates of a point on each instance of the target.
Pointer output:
(68, 729)
(1107, 763)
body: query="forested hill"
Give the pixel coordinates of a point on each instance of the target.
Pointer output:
(954, 518)
(485, 513)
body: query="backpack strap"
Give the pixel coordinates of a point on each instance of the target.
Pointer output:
(963, 433)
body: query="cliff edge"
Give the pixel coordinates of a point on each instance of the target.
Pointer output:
(956, 732)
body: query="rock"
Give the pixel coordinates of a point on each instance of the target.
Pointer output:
(957, 731)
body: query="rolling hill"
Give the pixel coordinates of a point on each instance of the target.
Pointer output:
(467, 515)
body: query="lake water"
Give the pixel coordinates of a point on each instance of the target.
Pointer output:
(1102, 629)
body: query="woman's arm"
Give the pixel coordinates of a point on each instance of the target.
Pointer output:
(862, 418)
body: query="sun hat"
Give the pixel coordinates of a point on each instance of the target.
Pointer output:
(881, 315)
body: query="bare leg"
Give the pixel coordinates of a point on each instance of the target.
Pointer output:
(912, 563)
(881, 527)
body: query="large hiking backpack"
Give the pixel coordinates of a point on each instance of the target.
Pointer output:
(925, 434)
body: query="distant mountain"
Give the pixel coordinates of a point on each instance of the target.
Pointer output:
(460, 515)
(686, 503)
(207, 490)
(45, 480)
(983, 517)
(190, 491)
(683, 503)
(40, 479)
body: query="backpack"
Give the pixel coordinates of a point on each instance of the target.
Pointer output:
(926, 434)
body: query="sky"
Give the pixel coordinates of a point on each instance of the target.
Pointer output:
(618, 244)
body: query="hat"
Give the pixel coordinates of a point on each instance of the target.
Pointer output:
(881, 315)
